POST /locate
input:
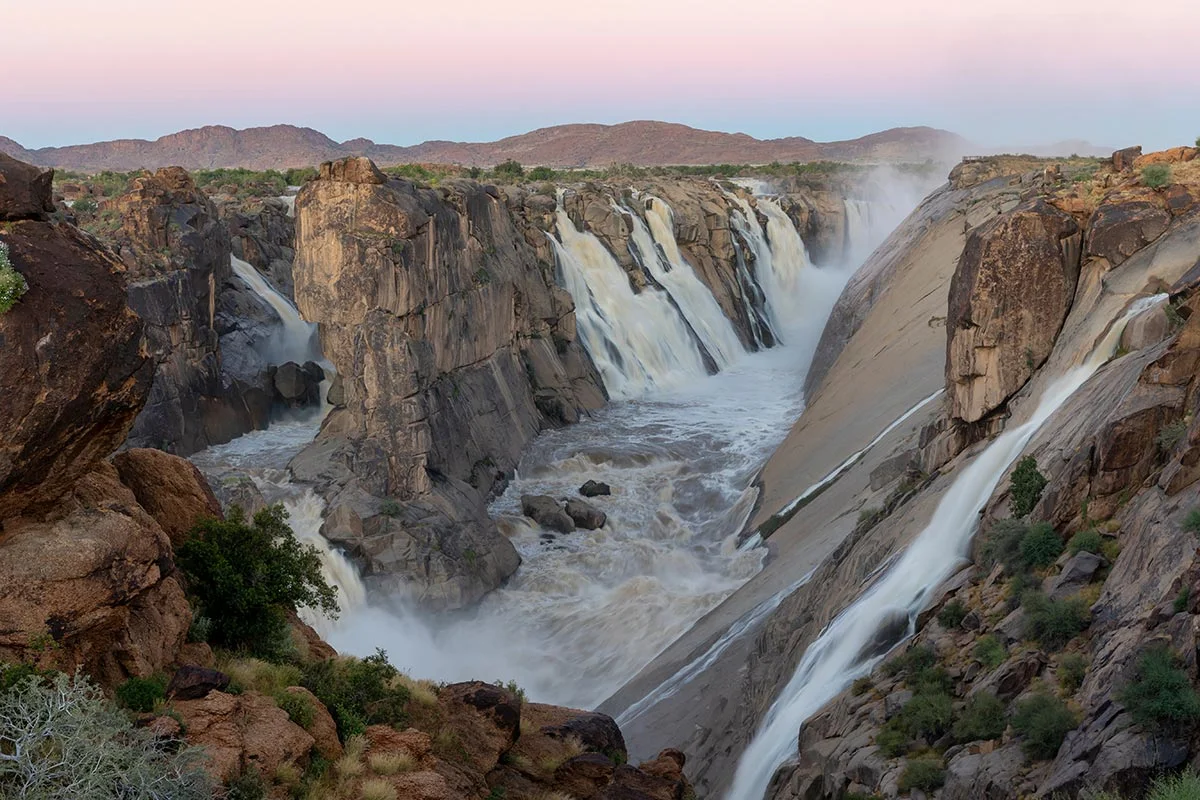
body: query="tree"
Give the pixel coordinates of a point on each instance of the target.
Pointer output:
(510, 169)
(1026, 487)
(245, 576)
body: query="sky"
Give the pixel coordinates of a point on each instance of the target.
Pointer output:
(1000, 72)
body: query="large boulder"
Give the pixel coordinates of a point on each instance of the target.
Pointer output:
(25, 190)
(547, 512)
(1126, 222)
(169, 488)
(1008, 299)
(585, 515)
(73, 373)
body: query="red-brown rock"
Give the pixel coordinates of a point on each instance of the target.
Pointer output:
(1125, 223)
(25, 190)
(170, 488)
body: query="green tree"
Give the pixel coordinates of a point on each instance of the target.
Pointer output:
(1040, 546)
(246, 576)
(509, 169)
(12, 283)
(1026, 487)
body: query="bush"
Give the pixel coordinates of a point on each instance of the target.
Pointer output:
(1170, 435)
(359, 692)
(1089, 541)
(862, 685)
(12, 283)
(140, 694)
(1072, 667)
(1043, 721)
(982, 718)
(990, 651)
(1182, 600)
(1002, 544)
(1191, 523)
(1177, 787)
(929, 715)
(246, 786)
(60, 738)
(85, 205)
(952, 614)
(1156, 176)
(509, 169)
(925, 774)
(390, 508)
(299, 176)
(912, 661)
(1053, 623)
(1160, 694)
(245, 576)
(892, 740)
(298, 707)
(541, 174)
(1025, 488)
(1040, 545)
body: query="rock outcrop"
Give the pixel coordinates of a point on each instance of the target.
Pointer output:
(1008, 299)
(177, 254)
(454, 348)
(262, 232)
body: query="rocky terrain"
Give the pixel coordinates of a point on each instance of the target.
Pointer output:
(642, 143)
(89, 578)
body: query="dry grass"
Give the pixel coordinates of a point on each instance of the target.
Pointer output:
(391, 763)
(421, 691)
(570, 747)
(288, 775)
(556, 796)
(251, 673)
(377, 789)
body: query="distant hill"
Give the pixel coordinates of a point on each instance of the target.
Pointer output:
(644, 143)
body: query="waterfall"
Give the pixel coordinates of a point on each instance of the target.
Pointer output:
(637, 341)
(860, 233)
(694, 300)
(297, 340)
(840, 654)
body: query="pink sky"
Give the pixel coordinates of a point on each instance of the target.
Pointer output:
(1018, 71)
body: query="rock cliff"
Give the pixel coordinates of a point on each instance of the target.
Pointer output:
(454, 348)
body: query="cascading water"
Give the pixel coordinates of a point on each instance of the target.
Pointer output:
(297, 339)
(693, 298)
(637, 341)
(841, 654)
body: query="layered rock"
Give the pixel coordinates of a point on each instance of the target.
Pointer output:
(262, 232)
(1008, 299)
(454, 348)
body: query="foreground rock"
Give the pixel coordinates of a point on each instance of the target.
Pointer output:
(547, 512)
(585, 515)
(454, 348)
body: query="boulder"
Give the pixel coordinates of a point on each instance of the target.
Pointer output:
(1148, 328)
(25, 190)
(592, 488)
(193, 683)
(1124, 159)
(585, 515)
(170, 488)
(1008, 299)
(983, 776)
(352, 170)
(595, 731)
(1125, 223)
(584, 775)
(298, 386)
(322, 728)
(73, 373)
(239, 732)
(487, 719)
(547, 512)
(1076, 574)
(237, 489)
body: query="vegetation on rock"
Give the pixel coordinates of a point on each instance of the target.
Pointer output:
(1043, 721)
(1156, 176)
(140, 694)
(359, 692)
(1053, 623)
(1160, 694)
(245, 576)
(12, 283)
(1026, 487)
(1040, 545)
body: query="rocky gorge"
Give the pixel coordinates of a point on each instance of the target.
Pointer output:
(466, 354)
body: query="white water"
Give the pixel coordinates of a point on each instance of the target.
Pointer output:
(637, 341)
(694, 299)
(297, 339)
(836, 658)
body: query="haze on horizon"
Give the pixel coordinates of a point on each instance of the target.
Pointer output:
(999, 72)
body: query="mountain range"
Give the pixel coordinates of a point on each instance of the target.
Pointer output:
(643, 143)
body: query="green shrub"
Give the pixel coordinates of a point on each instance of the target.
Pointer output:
(298, 707)
(390, 508)
(912, 661)
(862, 685)
(1177, 787)
(1043, 721)
(928, 714)
(200, 629)
(1170, 435)
(84, 205)
(1182, 600)
(1040, 546)
(248, 785)
(1025, 488)
(541, 174)
(892, 740)
(952, 614)
(1160, 695)
(990, 651)
(359, 692)
(509, 169)
(12, 283)
(1191, 523)
(140, 694)
(60, 738)
(298, 176)
(982, 718)
(925, 774)
(1156, 176)
(1072, 667)
(1053, 623)
(1002, 544)
(245, 576)
(1089, 541)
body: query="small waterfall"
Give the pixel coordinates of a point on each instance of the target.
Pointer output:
(836, 657)
(637, 341)
(297, 340)
(860, 233)
(676, 276)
